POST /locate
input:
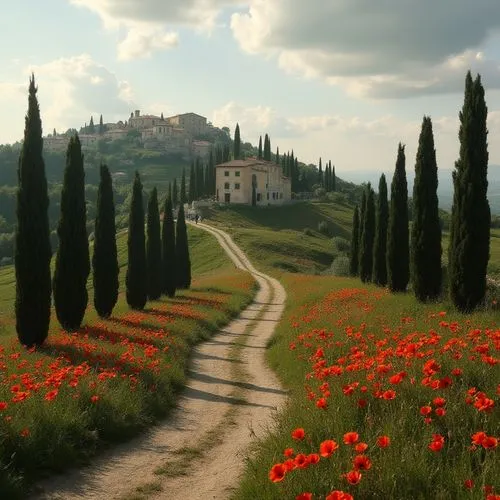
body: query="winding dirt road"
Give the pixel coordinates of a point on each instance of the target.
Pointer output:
(230, 398)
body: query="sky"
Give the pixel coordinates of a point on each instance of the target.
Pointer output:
(344, 80)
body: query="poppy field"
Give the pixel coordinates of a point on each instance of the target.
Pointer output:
(389, 399)
(80, 392)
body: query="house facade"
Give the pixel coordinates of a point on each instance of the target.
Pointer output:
(234, 180)
(192, 123)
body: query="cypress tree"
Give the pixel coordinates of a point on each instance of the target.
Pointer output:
(154, 247)
(105, 260)
(175, 194)
(192, 184)
(361, 219)
(72, 260)
(91, 126)
(260, 148)
(267, 148)
(471, 216)
(226, 152)
(320, 174)
(168, 250)
(398, 266)
(101, 126)
(136, 279)
(237, 143)
(379, 275)
(183, 188)
(354, 260)
(426, 227)
(367, 237)
(334, 180)
(32, 238)
(182, 260)
(277, 156)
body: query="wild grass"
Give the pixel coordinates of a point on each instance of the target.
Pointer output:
(81, 392)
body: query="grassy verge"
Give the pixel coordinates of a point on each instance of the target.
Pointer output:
(359, 360)
(104, 384)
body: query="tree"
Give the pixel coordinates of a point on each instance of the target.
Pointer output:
(192, 184)
(361, 219)
(91, 128)
(32, 239)
(237, 143)
(334, 179)
(354, 260)
(183, 188)
(367, 237)
(136, 279)
(379, 274)
(471, 217)
(277, 156)
(169, 267)
(320, 174)
(154, 247)
(105, 260)
(267, 148)
(175, 194)
(182, 260)
(426, 227)
(101, 126)
(260, 148)
(398, 265)
(72, 260)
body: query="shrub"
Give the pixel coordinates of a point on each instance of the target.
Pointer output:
(340, 266)
(323, 228)
(341, 245)
(308, 231)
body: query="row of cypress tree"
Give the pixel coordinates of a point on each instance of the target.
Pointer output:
(380, 245)
(154, 269)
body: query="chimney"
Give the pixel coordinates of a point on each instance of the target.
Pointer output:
(137, 113)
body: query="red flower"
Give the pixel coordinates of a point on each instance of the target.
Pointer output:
(353, 477)
(384, 441)
(437, 442)
(439, 401)
(288, 452)
(304, 496)
(489, 442)
(51, 395)
(339, 495)
(322, 403)
(425, 410)
(478, 438)
(361, 447)
(277, 473)
(326, 448)
(301, 461)
(440, 411)
(3, 405)
(313, 458)
(468, 484)
(25, 432)
(362, 462)
(298, 434)
(94, 398)
(351, 437)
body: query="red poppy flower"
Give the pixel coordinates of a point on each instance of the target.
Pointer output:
(361, 447)
(326, 448)
(468, 484)
(298, 434)
(384, 441)
(351, 437)
(362, 462)
(339, 495)
(304, 496)
(353, 477)
(277, 473)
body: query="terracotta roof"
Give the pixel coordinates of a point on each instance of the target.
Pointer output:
(246, 163)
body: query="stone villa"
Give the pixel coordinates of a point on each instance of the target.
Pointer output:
(234, 182)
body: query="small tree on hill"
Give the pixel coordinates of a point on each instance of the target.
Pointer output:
(398, 266)
(354, 260)
(259, 155)
(136, 278)
(105, 260)
(169, 268)
(32, 251)
(237, 143)
(471, 217)
(426, 227)
(153, 247)
(367, 237)
(101, 126)
(379, 275)
(72, 261)
(182, 260)
(91, 127)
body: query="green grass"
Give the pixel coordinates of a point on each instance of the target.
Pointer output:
(347, 320)
(134, 363)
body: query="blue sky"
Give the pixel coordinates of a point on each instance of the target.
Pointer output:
(346, 80)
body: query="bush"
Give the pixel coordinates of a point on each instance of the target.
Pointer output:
(340, 266)
(323, 228)
(341, 245)
(308, 231)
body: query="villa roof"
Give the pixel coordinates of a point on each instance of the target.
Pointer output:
(250, 162)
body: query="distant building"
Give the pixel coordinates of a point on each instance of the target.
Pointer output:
(141, 122)
(234, 182)
(201, 148)
(192, 123)
(56, 143)
(116, 133)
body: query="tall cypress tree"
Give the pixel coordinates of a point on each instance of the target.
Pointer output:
(105, 257)
(101, 126)
(182, 260)
(153, 247)
(136, 279)
(379, 274)
(398, 265)
(367, 237)
(334, 180)
(183, 198)
(169, 267)
(32, 238)
(426, 228)
(237, 143)
(277, 156)
(91, 129)
(361, 219)
(471, 216)
(192, 184)
(175, 194)
(354, 260)
(259, 156)
(320, 174)
(267, 148)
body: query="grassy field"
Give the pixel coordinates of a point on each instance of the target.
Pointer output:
(286, 238)
(362, 366)
(80, 392)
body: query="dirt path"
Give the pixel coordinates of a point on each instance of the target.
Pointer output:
(230, 398)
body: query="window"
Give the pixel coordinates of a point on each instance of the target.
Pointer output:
(226, 173)
(258, 197)
(274, 196)
(226, 185)
(237, 185)
(237, 174)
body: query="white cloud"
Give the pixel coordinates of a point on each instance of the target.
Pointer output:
(141, 41)
(70, 91)
(390, 49)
